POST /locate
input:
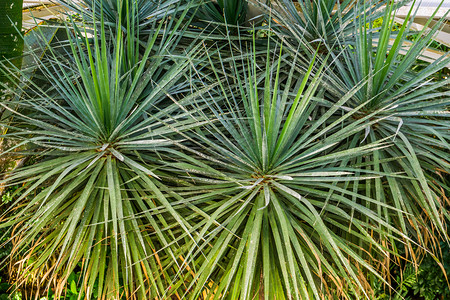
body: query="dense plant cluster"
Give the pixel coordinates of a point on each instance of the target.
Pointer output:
(427, 280)
(196, 150)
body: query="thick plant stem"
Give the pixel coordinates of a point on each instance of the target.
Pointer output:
(11, 42)
(11, 48)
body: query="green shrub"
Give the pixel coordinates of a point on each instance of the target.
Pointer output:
(427, 280)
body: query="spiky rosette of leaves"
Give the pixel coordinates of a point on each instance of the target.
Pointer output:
(139, 12)
(306, 24)
(409, 107)
(136, 20)
(282, 217)
(95, 200)
(222, 15)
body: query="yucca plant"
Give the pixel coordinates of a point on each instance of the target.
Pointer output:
(217, 20)
(283, 219)
(224, 12)
(306, 24)
(94, 201)
(411, 109)
(141, 12)
(137, 21)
